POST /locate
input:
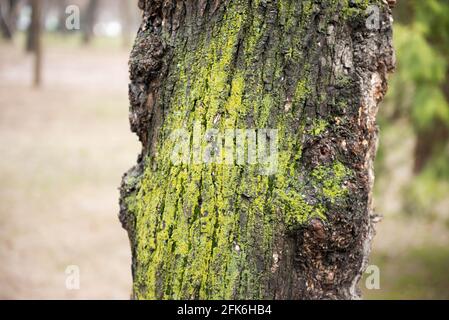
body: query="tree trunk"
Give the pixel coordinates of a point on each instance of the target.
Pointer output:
(62, 16)
(89, 22)
(34, 27)
(216, 225)
(8, 18)
(5, 25)
(432, 140)
(428, 143)
(34, 40)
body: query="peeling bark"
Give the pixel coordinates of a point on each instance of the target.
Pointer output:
(310, 69)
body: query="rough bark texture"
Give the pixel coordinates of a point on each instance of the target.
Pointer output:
(310, 69)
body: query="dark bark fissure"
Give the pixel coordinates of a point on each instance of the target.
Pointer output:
(310, 69)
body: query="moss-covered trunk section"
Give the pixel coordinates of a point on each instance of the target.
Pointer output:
(296, 227)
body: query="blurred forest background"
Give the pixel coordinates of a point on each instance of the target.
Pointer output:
(65, 141)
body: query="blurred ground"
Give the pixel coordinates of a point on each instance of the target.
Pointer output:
(63, 150)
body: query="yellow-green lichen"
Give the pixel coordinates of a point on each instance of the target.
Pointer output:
(297, 211)
(200, 227)
(318, 127)
(185, 220)
(329, 179)
(302, 91)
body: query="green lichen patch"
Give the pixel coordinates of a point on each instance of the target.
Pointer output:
(319, 126)
(330, 179)
(297, 211)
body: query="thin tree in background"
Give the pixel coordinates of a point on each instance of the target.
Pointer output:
(8, 18)
(90, 16)
(35, 34)
(31, 35)
(62, 16)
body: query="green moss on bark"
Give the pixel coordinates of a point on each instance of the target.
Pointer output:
(214, 230)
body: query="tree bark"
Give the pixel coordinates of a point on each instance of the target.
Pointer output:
(311, 70)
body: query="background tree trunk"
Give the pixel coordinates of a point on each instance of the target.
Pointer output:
(34, 40)
(33, 31)
(4, 25)
(61, 6)
(310, 69)
(8, 18)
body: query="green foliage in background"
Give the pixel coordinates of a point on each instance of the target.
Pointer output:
(419, 98)
(422, 48)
